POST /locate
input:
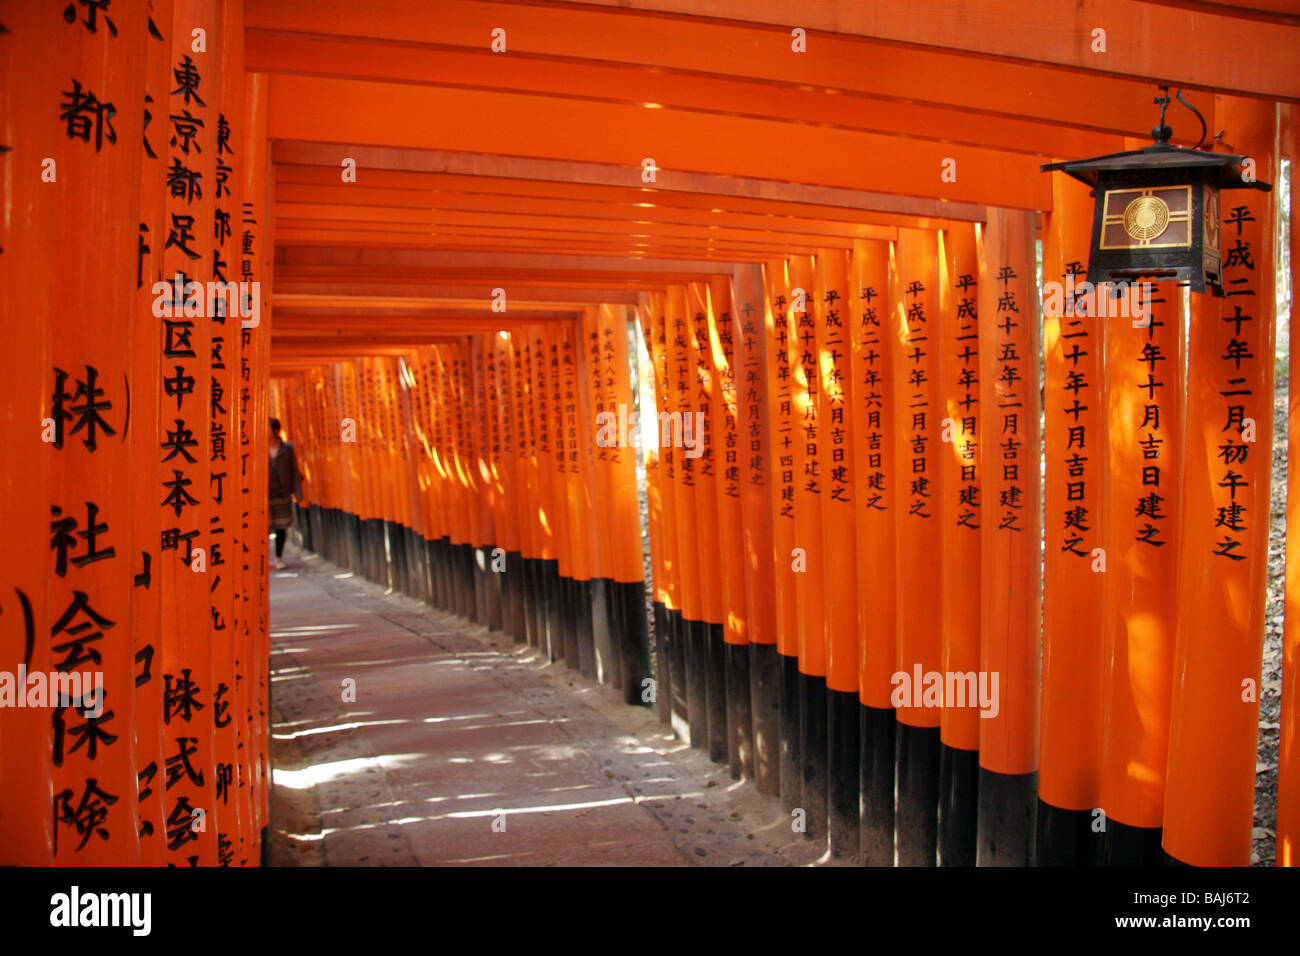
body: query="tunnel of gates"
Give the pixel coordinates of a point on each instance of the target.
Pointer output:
(962, 572)
(847, 458)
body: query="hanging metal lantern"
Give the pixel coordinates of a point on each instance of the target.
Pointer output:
(1157, 209)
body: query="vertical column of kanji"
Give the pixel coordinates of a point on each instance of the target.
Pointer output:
(957, 458)
(577, 608)
(730, 467)
(605, 450)
(628, 617)
(529, 526)
(783, 436)
(809, 557)
(32, 72)
(1074, 592)
(480, 353)
(700, 450)
(191, 107)
(1227, 472)
(563, 638)
(840, 545)
(876, 421)
(357, 411)
(752, 330)
(517, 503)
(433, 382)
(662, 500)
(506, 518)
(471, 479)
(1141, 540)
(1288, 761)
(1011, 547)
(451, 437)
(512, 578)
(399, 500)
(493, 498)
(146, 387)
(255, 267)
(587, 551)
(413, 532)
(680, 371)
(918, 683)
(429, 481)
(92, 163)
(547, 576)
(227, 325)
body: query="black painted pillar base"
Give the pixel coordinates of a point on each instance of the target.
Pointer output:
(467, 580)
(1124, 845)
(878, 740)
(356, 562)
(512, 609)
(566, 649)
(715, 689)
(663, 669)
(1006, 819)
(537, 568)
(740, 719)
(765, 707)
(266, 847)
(528, 577)
(790, 764)
(678, 638)
(916, 810)
(548, 577)
(584, 608)
(492, 590)
(481, 574)
(958, 805)
(1064, 837)
(843, 813)
(812, 725)
(633, 640)
(697, 695)
(602, 665)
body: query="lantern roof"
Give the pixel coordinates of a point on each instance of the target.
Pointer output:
(1160, 156)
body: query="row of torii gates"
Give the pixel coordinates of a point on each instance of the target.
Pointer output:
(476, 238)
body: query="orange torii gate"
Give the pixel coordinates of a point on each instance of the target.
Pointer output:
(951, 609)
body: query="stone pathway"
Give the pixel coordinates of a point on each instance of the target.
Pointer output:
(460, 747)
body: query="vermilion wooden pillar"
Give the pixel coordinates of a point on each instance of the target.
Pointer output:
(1214, 726)
(97, 79)
(1074, 593)
(731, 469)
(839, 486)
(27, 235)
(958, 459)
(783, 433)
(752, 323)
(916, 327)
(875, 342)
(1011, 583)
(703, 473)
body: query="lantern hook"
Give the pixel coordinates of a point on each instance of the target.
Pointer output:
(1204, 129)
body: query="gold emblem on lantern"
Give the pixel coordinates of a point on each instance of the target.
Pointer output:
(1146, 218)
(1150, 218)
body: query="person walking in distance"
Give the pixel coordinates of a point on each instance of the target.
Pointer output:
(285, 487)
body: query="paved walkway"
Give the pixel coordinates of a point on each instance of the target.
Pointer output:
(460, 746)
